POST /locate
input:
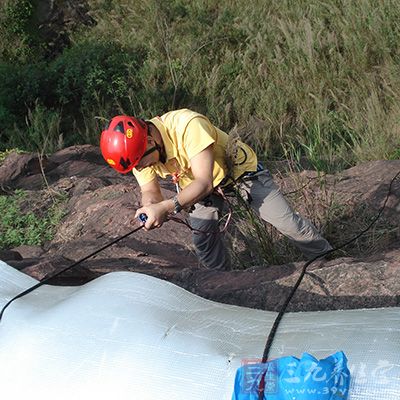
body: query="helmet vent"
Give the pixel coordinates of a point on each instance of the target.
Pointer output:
(125, 163)
(130, 124)
(119, 127)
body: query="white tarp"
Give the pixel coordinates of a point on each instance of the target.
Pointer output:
(130, 336)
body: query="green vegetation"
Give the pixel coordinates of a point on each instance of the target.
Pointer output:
(29, 227)
(4, 154)
(314, 82)
(323, 77)
(17, 38)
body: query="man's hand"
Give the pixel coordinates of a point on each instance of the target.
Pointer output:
(156, 215)
(157, 209)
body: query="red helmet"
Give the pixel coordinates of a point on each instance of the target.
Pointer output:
(124, 142)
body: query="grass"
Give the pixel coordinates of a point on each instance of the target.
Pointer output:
(253, 242)
(4, 154)
(28, 227)
(321, 78)
(316, 197)
(315, 83)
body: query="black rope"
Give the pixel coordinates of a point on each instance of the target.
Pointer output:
(171, 218)
(31, 289)
(281, 313)
(279, 317)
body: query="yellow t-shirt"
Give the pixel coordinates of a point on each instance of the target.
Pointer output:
(185, 134)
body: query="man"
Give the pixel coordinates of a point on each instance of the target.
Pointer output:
(184, 144)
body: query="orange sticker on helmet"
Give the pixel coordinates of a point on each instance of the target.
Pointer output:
(129, 133)
(111, 162)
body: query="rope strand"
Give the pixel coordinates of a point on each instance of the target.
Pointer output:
(31, 289)
(281, 313)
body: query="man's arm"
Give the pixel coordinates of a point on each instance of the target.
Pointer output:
(202, 170)
(201, 166)
(151, 193)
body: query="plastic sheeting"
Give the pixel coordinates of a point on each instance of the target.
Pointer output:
(131, 336)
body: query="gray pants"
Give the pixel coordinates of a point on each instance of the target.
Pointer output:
(268, 202)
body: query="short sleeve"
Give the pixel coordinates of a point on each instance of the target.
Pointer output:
(199, 134)
(144, 176)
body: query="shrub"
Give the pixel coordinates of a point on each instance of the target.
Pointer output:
(18, 37)
(38, 102)
(28, 228)
(21, 86)
(91, 71)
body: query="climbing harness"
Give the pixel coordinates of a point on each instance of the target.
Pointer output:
(219, 192)
(176, 176)
(175, 180)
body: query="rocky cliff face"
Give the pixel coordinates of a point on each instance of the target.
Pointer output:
(101, 204)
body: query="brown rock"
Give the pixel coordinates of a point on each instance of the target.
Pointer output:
(17, 166)
(10, 255)
(101, 206)
(29, 251)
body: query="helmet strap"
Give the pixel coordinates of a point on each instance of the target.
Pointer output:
(149, 151)
(160, 152)
(160, 149)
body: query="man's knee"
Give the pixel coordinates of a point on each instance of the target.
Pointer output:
(211, 250)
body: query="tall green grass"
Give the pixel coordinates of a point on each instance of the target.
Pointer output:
(304, 79)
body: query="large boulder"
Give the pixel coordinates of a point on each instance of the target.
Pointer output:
(101, 204)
